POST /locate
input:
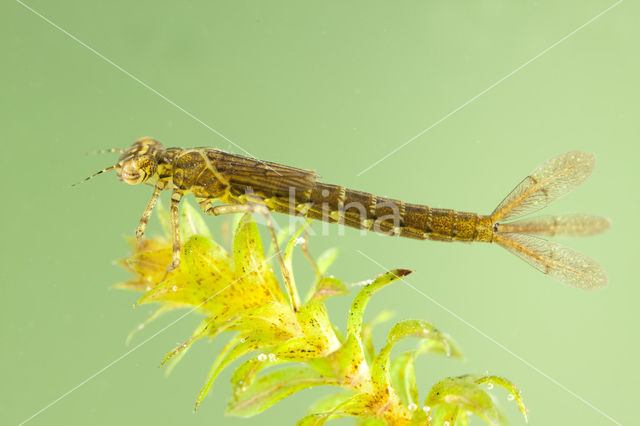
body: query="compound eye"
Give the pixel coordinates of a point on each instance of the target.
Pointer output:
(137, 169)
(131, 173)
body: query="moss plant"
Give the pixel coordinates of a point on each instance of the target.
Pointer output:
(238, 293)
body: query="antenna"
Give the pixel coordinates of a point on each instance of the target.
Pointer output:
(117, 166)
(104, 151)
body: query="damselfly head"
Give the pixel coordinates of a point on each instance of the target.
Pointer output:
(138, 163)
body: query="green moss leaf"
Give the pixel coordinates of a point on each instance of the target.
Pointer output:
(326, 259)
(513, 390)
(217, 367)
(273, 387)
(156, 314)
(148, 262)
(192, 223)
(347, 364)
(315, 323)
(449, 414)
(250, 264)
(180, 350)
(327, 287)
(356, 313)
(237, 347)
(356, 406)
(205, 272)
(330, 402)
(370, 422)
(367, 333)
(456, 396)
(403, 378)
(380, 371)
(402, 367)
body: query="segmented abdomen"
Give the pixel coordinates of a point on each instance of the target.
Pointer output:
(337, 204)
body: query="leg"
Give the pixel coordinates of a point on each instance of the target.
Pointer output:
(176, 196)
(147, 212)
(206, 206)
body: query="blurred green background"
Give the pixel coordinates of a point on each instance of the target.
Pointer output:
(332, 87)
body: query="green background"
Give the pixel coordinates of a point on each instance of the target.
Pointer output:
(333, 87)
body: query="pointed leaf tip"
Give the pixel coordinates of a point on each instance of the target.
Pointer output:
(402, 272)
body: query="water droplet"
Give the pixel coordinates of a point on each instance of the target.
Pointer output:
(140, 326)
(299, 241)
(147, 288)
(272, 357)
(446, 423)
(511, 397)
(426, 408)
(412, 407)
(242, 340)
(175, 288)
(489, 386)
(262, 357)
(244, 388)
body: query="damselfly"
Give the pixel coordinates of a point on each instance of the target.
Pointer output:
(245, 184)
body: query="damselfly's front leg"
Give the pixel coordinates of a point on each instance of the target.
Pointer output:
(174, 204)
(142, 225)
(208, 208)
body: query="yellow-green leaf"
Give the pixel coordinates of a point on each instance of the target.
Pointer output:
(409, 328)
(358, 405)
(327, 287)
(329, 402)
(367, 333)
(157, 313)
(356, 313)
(273, 387)
(200, 331)
(403, 378)
(250, 264)
(237, 347)
(192, 223)
(326, 259)
(513, 390)
(465, 394)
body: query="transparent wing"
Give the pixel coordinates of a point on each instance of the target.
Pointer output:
(261, 176)
(550, 181)
(560, 262)
(567, 225)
